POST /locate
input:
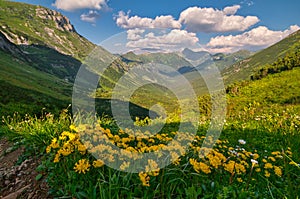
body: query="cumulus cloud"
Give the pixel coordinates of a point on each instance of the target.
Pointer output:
(231, 10)
(259, 37)
(124, 21)
(168, 42)
(91, 16)
(207, 20)
(70, 5)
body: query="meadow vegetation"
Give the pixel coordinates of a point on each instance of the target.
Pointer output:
(256, 155)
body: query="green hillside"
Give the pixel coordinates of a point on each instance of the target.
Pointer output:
(25, 24)
(245, 68)
(25, 89)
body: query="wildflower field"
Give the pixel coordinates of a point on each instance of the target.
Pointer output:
(256, 156)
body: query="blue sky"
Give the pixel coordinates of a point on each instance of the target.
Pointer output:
(218, 25)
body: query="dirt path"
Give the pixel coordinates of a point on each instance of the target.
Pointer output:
(19, 181)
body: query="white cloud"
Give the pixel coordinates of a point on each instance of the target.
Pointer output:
(70, 5)
(259, 37)
(91, 16)
(135, 34)
(124, 21)
(174, 40)
(199, 19)
(231, 10)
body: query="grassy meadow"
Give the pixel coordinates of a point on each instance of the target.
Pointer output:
(256, 156)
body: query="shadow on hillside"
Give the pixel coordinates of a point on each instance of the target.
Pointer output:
(103, 107)
(51, 61)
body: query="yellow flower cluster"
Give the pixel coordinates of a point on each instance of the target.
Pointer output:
(200, 166)
(103, 143)
(82, 166)
(145, 178)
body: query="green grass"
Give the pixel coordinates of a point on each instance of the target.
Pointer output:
(259, 112)
(27, 90)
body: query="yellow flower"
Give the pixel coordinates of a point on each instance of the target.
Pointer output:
(199, 166)
(204, 168)
(64, 152)
(258, 170)
(275, 153)
(255, 156)
(240, 168)
(98, 163)
(81, 148)
(152, 168)
(267, 174)
(272, 159)
(73, 128)
(239, 179)
(82, 166)
(56, 159)
(277, 171)
(48, 149)
(124, 165)
(144, 179)
(268, 166)
(230, 166)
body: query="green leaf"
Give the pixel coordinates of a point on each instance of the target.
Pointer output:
(38, 177)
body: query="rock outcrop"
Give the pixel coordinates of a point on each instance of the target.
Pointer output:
(61, 22)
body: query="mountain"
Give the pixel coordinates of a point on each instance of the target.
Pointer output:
(245, 68)
(222, 61)
(170, 59)
(25, 24)
(40, 54)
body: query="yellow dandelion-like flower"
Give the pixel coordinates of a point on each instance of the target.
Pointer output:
(144, 179)
(214, 161)
(73, 128)
(276, 153)
(230, 166)
(289, 152)
(124, 165)
(204, 168)
(48, 149)
(268, 166)
(199, 166)
(267, 174)
(98, 163)
(152, 168)
(277, 171)
(257, 170)
(272, 159)
(255, 156)
(56, 158)
(240, 168)
(82, 166)
(264, 160)
(81, 148)
(64, 152)
(239, 179)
